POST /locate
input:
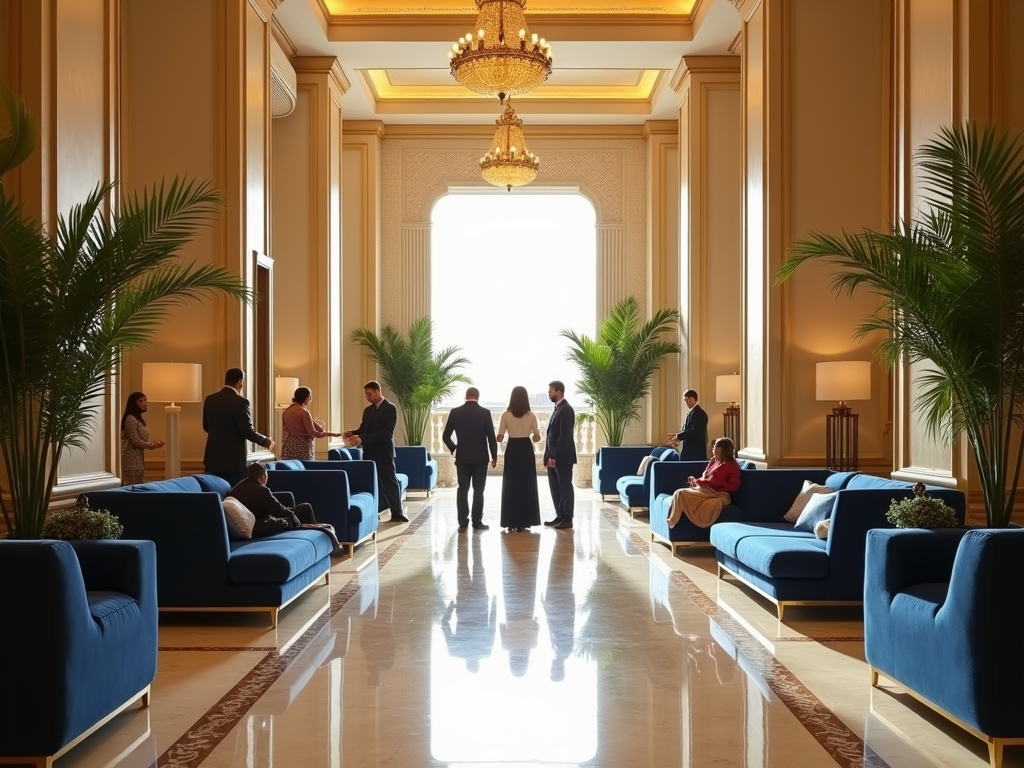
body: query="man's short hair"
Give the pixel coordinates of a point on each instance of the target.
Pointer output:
(233, 376)
(690, 393)
(256, 471)
(557, 386)
(372, 384)
(472, 393)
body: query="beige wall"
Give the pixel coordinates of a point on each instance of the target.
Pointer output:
(816, 136)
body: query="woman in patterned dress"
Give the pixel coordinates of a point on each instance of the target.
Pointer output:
(300, 429)
(135, 439)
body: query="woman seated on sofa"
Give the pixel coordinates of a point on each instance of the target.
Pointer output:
(703, 501)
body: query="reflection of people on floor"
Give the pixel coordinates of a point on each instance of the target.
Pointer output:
(559, 602)
(703, 653)
(475, 614)
(377, 640)
(519, 555)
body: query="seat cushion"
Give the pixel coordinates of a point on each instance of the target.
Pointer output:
(111, 610)
(726, 536)
(278, 558)
(626, 481)
(363, 507)
(783, 557)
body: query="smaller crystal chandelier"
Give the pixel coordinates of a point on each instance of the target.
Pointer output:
(509, 163)
(503, 59)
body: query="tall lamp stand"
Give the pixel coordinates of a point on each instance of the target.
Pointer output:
(841, 450)
(731, 419)
(172, 457)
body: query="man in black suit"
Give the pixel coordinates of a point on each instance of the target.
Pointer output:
(227, 421)
(560, 456)
(376, 434)
(693, 437)
(475, 447)
(271, 515)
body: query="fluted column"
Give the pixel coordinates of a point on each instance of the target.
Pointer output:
(361, 256)
(306, 213)
(954, 61)
(663, 264)
(612, 268)
(414, 300)
(815, 142)
(711, 245)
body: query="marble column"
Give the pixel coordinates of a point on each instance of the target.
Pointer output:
(307, 235)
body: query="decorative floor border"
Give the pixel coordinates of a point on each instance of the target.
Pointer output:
(835, 737)
(206, 734)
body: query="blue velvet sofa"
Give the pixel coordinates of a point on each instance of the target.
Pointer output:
(198, 567)
(635, 490)
(791, 567)
(355, 454)
(344, 495)
(415, 463)
(616, 461)
(943, 617)
(79, 644)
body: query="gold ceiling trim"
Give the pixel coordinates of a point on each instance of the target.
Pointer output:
(336, 10)
(384, 91)
(539, 134)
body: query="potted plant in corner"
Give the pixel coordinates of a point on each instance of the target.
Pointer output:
(74, 296)
(952, 289)
(82, 522)
(617, 366)
(418, 377)
(921, 511)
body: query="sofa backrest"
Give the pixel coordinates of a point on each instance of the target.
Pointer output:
(950, 496)
(294, 465)
(765, 495)
(188, 484)
(345, 454)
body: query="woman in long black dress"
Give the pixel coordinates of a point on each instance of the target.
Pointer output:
(520, 507)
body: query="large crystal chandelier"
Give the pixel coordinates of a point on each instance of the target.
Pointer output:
(509, 163)
(503, 59)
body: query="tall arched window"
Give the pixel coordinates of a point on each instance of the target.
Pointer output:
(508, 273)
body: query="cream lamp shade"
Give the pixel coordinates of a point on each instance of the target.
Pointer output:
(727, 388)
(284, 389)
(173, 382)
(843, 380)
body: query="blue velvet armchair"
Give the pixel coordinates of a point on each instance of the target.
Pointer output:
(87, 644)
(414, 462)
(943, 617)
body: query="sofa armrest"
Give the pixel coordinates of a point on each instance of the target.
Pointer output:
(670, 476)
(285, 497)
(899, 558)
(126, 566)
(362, 474)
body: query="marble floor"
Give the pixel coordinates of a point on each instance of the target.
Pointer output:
(589, 647)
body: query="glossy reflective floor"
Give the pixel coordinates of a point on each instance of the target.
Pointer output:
(588, 647)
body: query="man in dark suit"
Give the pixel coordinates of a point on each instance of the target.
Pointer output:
(271, 515)
(693, 437)
(376, 435)
(227, 421)
(475, 447)
(560, 456)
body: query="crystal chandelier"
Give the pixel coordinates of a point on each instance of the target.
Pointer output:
(509, 163)
(503, 59)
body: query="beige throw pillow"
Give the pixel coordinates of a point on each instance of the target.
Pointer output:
(239, 519)
(803, 497)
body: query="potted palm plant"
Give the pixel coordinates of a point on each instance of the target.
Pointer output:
(617, 366)
(952, 289)
(418, 377)
(72, 298)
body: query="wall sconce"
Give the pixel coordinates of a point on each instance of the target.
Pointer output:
(727, 390)
(284, 390)
(172, 383)
(842, 381)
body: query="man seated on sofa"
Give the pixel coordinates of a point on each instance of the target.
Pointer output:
(271, 515)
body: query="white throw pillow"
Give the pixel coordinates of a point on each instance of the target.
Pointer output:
(239, 519)
(803, 497)
(643, 464)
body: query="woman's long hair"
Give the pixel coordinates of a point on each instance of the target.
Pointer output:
(131, 408)
(519, 402)
(728, 449)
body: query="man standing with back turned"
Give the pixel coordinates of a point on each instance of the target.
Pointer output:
(376, 435)
(476, 445)
(227, 421)
(560, 456)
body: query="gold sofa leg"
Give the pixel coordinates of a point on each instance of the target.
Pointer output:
(995, 753)
(780, 609)
(874, 677)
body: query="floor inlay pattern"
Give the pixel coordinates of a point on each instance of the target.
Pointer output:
(845, 746)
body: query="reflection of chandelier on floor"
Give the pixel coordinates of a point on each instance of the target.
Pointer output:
(503, 59)
(509, 163)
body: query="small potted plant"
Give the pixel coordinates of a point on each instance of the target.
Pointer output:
(921, 512)
(81, 522)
